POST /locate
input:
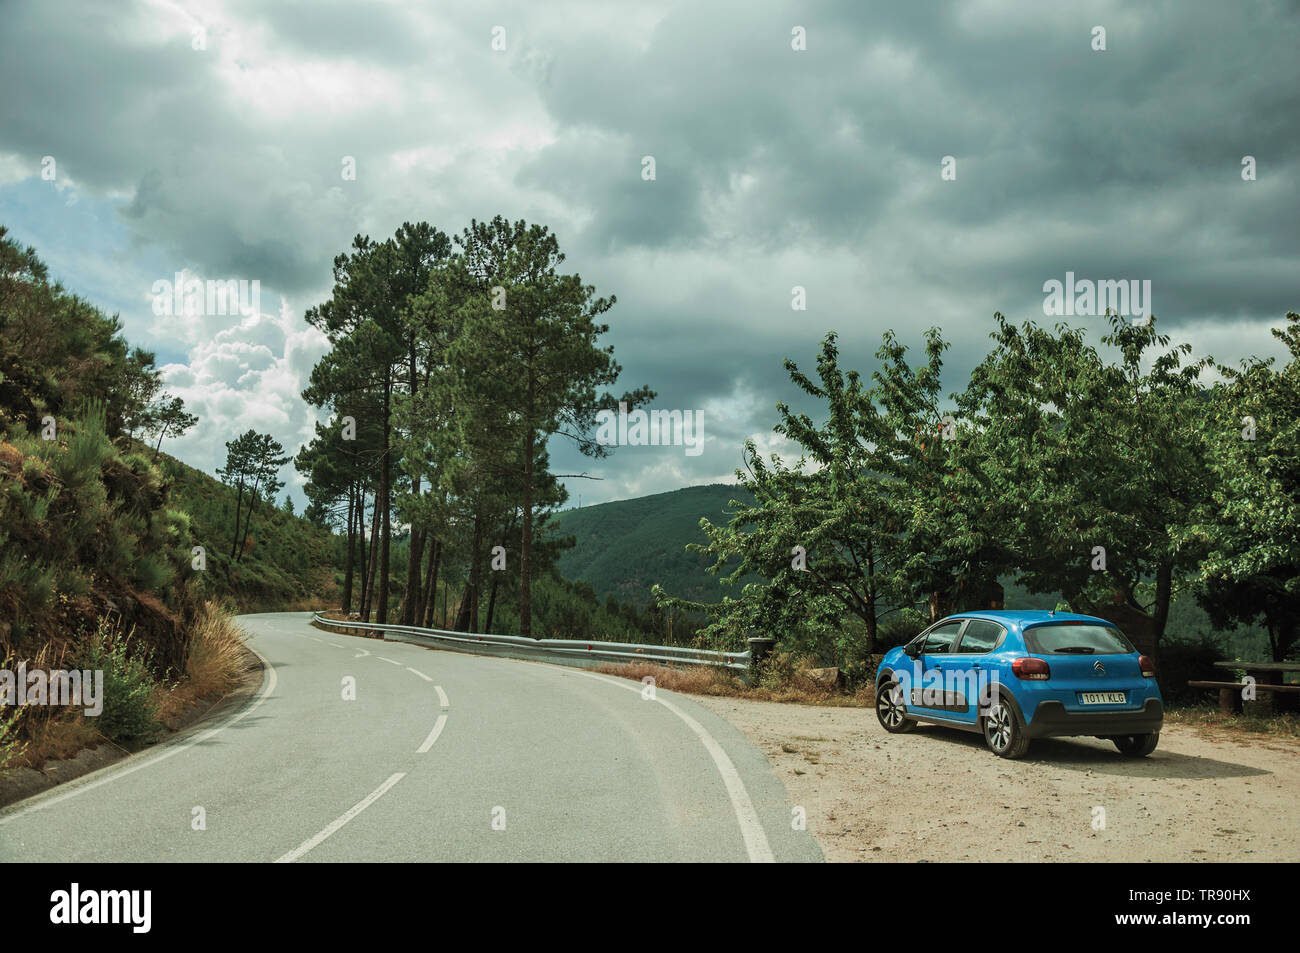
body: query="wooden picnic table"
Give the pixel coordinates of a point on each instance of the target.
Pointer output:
(1273, 694)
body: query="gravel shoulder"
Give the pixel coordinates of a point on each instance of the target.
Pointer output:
(937, 794)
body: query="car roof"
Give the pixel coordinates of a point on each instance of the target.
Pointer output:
(1020, 618)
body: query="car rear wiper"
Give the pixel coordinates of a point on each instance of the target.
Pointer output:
(1076, 650)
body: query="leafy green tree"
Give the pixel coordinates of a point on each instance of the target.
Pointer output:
(528, 348)
(1249, 525)
(168, 416)
(253, 461)
(373, 348)
(857, 527)
(1097, 464)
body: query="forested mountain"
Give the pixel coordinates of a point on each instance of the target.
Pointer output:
(625, 547)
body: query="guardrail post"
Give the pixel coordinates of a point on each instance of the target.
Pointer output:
(760, 647)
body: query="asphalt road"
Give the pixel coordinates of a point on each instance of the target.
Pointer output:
(440, 757)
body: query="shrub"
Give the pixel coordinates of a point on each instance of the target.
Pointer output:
(130, 715)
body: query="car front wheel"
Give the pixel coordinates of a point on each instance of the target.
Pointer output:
(1003, 732)
(891, 711)
(1137, 746)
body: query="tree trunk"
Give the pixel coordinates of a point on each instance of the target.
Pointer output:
(239, 505)
(248, 523)
(871, 620)
(492, 602)
(158, 447)
(385, 482)
(368, 600)
(352, 549)
(426, 592)
(414, 564)
(526, 543)
(475, 576)
(462, 610)
(364, 563)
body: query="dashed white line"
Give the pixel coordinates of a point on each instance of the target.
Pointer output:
(440, 723)
(353, 811)
(417, 672)
(433, 735)
(389, 661)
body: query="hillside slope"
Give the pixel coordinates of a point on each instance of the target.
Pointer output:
(625, 547)
(288, 562)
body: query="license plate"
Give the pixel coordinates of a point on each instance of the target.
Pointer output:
(1102, 698)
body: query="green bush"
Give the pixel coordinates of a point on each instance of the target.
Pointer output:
(130, 715)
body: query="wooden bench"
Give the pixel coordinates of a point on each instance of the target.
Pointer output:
(1230, 692)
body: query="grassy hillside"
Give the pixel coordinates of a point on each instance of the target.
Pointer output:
(287, 563)
(625, 547)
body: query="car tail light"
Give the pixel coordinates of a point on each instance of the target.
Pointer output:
(1032, 668)
(1148, 667)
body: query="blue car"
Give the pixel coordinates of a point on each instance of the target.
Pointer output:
(1018, 675)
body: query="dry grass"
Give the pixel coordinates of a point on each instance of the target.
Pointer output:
(60, 737)
(704, 680)
(1215, 725)
(212, 667)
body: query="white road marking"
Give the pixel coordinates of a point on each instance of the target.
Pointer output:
(442, 719)
(132, 765)
(417, 672)
(388, 660)
(362, 654)
(751, 828)
(433, 735)
(353, 811)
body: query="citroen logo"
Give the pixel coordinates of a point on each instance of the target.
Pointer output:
(1098, 668)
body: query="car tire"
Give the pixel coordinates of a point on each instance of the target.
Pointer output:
(1003, 732)
(890, 710)
(1137, 746)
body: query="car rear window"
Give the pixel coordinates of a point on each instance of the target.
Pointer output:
(1072, 638)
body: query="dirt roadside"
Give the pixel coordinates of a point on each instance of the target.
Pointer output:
(937, 794)
(17, 784)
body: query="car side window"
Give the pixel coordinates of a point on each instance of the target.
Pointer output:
(980, 637)
(940, 639)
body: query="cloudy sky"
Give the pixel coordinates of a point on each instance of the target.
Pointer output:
(209, 139)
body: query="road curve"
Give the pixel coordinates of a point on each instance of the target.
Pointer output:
(440, 757)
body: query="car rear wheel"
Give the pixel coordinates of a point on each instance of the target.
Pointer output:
(1003, 732)
(1137, 746)
(891, 711)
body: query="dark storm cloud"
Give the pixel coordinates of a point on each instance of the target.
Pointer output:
(774, 168)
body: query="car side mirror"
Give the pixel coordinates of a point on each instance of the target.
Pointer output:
(912, 650)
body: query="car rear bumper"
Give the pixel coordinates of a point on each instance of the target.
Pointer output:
(1053, 718)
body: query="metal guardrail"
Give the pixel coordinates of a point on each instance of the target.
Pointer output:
(562, 651)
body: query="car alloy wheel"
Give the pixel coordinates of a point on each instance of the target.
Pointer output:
(890, 709)
(1002, 732)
